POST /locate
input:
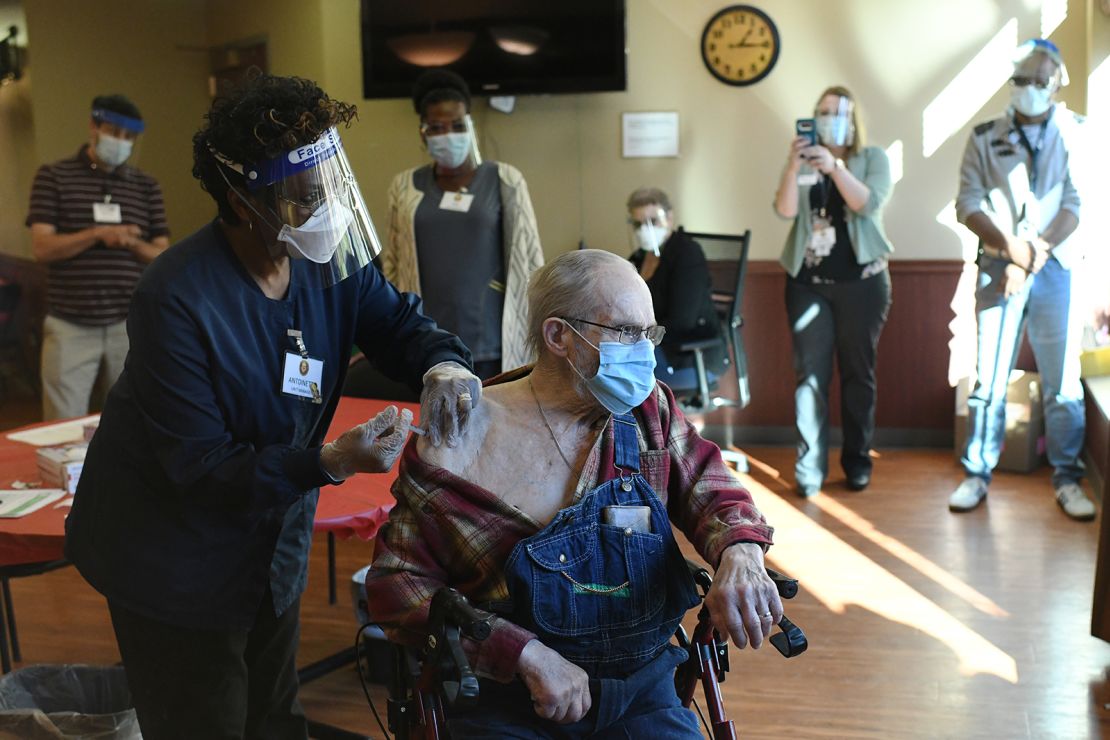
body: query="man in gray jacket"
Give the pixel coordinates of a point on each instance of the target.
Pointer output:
(1020, 196)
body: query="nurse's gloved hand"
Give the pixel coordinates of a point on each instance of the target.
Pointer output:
(370, 447)
(450, 392)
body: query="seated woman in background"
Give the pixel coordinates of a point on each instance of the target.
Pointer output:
(674, 268)
(462, 232)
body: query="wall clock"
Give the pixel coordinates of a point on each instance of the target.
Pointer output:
(740, 45)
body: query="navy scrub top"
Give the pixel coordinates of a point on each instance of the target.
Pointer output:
(200, 486)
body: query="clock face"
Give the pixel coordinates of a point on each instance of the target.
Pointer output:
(740, 45)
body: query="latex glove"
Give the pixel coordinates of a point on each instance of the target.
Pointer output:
(370, 447)
(450, 392)
(560, 690)
(743, 601)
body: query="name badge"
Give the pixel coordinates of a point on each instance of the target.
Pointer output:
(107, 213)
(823, 238)
(300, 375)
(456, 201)
(807, 178)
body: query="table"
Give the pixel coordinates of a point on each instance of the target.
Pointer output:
(34, 544)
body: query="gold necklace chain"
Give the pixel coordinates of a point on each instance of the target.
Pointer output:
(547, 424)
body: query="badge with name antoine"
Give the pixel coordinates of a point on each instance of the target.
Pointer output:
(302, 376)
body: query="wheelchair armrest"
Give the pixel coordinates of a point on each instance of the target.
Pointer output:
(449, 607)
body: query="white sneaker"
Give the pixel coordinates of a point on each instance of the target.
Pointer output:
(1074, 502)
(968, 495)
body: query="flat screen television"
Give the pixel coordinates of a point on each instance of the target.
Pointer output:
(500, 47)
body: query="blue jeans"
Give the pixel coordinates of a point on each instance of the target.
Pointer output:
(1044, 307)
(643, 705)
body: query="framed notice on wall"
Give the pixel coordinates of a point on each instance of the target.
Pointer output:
(649, 134)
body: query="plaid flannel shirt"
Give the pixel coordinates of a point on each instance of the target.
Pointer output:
(447, 531)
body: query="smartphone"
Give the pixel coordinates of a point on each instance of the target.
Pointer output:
(635, 518)
(807, 127)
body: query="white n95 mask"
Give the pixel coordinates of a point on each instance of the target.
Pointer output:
(1030, 100)
(650, 238)
(317, 238)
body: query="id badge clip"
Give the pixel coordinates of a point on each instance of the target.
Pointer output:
(458, 202)
(301, 375)
(107, 212)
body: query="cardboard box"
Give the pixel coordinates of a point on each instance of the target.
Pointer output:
(1094, 362)
(1024, 444)
(60, 467)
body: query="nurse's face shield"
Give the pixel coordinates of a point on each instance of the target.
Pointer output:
(312, 193)
(834, 121)
(450, 136)
(115, 138)
(649, 227)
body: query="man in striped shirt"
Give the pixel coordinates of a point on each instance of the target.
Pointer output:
(96, 222)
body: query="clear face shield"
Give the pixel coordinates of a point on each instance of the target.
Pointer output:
(452, 144)
(648, 228)
(835, 128)
(312, 195)
(116, 137)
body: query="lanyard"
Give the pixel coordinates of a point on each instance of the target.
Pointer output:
(1033, 151)
(299, 339)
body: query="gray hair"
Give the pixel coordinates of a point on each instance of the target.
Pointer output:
(567, 286)
(649, 197)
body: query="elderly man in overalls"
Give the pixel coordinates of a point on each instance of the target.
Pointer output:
(554, 511)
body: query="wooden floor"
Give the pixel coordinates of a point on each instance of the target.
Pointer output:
(922, 624)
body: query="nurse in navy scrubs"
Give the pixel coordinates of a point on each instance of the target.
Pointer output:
(195, 507)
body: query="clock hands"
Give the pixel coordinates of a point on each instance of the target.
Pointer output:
(743, 41)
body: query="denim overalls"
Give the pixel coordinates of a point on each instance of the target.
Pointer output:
(609, 600)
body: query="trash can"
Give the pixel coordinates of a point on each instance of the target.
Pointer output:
(51, 702)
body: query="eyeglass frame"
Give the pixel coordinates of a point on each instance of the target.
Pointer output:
(1024, 81)
(458, 126)
(630, 330)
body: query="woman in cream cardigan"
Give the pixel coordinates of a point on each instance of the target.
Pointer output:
(462, 232)
(838, 286)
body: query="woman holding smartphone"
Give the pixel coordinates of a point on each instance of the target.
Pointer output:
(838, 286)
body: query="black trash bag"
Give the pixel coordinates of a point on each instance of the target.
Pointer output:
(54, 702)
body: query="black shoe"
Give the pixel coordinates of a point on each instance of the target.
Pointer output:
(859, 482)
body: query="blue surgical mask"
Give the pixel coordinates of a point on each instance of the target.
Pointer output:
(834, 130)
(1030, 100)
(449, 150)
(112, 150)
(625, 374)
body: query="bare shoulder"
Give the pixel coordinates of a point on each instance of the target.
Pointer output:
(485, 416)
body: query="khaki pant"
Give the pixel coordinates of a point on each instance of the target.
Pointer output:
(72, 358)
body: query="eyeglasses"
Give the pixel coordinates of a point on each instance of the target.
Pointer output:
(439, 128)
(312, 201)
(660, 222)
(630, 333)
(1020, 81)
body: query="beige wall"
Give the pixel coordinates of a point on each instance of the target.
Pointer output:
(897, 56)
(150, 50)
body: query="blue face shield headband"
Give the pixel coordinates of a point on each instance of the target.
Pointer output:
(135, 125)
(625, 373)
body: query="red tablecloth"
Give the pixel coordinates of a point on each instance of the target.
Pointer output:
(358, 507)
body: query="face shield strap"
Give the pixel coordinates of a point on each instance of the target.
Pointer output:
(221, 159)
(134, 125)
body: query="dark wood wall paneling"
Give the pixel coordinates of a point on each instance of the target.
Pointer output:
(913, 353)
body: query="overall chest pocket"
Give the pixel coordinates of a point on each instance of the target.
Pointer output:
(595, 578)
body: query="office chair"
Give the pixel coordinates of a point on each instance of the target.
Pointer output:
(730, 251)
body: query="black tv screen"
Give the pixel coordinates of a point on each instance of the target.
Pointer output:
(500, 47)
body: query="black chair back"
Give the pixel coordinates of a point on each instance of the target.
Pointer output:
(728, 258)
